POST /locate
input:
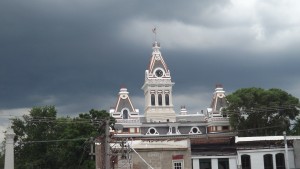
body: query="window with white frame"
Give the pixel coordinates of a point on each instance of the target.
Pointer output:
(223, 163)
(268, 161)
(280, 161)
(159, 99)
(167, 99)
(125, 114)
(246, 161)
(178, 164)
(152, 100)
(205, 163)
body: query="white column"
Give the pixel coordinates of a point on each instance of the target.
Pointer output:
(9, 149)
(257, 160)
(286, 154)
(147, 99)
(214, 163)
(232, 163)
(170, 98)
(156, 98)
(239, 159)
(274, 160)
(196, 164)
(163, 98)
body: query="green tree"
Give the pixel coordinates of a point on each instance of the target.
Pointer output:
(87, 125)
(47, 142)
(256, 111)
(37, 126)
(296, 126)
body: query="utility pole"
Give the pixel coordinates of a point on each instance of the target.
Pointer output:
(107, 146)
(92, 148)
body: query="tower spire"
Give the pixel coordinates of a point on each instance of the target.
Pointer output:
(156, 45)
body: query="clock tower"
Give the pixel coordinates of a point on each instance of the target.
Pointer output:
(158, 89)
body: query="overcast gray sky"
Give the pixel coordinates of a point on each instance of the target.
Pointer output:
(75, 54)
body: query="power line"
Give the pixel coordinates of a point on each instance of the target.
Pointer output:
(262, 109)
(49, 141)
(63, 120)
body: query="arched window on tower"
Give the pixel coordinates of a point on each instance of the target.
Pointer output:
(152, 100)
(125, 114)
(167, 99)
(159, 100)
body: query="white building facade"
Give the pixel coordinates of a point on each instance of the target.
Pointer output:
(266, 152)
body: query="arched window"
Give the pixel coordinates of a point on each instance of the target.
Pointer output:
(159, 100)
(246, 161)
(152, 100)
(167, 99)
(280, 163)
(268, 161)
(125, 114)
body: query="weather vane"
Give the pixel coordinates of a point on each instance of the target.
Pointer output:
(154, 31)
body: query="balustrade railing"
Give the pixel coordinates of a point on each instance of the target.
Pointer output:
(128, 120)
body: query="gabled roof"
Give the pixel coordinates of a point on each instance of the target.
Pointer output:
(218, 99)
(157, 59)
(124, 101)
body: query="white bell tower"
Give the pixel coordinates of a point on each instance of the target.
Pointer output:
(158, 89)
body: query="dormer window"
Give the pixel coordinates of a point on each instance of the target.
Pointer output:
(152, 131)
(195, 130)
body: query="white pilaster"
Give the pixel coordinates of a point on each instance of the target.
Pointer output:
(196, 164)
(214, 163)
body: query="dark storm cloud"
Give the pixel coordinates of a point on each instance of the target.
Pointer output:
(51, 50)
(234, 69)
(77, 54)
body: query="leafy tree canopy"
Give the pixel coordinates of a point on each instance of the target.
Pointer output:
(47, 142)
(265, 112)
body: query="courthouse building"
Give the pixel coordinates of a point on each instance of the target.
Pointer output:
(161, 138)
